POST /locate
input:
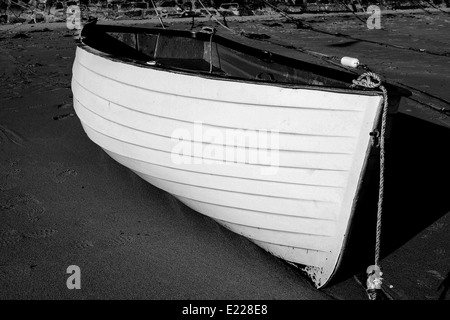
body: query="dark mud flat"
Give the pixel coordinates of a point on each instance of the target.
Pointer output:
(64, 202)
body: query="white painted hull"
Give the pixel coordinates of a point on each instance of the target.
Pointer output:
(300, 212)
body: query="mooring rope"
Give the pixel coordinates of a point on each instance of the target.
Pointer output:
(351, 11)
(307, 26)
(217, 20)
(423, 8)
(431, 4)
(374, 281)
(158, 15)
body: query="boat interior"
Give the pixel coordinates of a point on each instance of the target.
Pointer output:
(207, 53)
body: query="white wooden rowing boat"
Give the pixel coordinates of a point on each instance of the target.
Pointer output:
(270, 147)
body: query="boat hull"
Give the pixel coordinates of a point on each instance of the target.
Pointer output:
(287, 179)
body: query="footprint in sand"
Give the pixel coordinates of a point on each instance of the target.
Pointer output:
(68, 104)
(116, 241)
(10, 237)
(85, 222)
(40, 234)
(63, 116)
(83, 244)
(436, 274)
(440, 252)
(10, 176)
(8, 136)
(65, 175)
(61, 173)
(23, 204)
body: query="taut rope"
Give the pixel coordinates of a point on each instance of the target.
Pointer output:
(158, 15)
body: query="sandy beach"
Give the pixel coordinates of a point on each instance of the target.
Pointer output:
(64, 202)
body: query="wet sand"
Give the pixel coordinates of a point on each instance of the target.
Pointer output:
(64, 202)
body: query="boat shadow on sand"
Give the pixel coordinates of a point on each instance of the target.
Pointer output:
(415, 195)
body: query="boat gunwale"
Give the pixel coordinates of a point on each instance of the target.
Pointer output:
(236, 46)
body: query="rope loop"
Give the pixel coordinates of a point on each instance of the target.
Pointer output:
(367, 80)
